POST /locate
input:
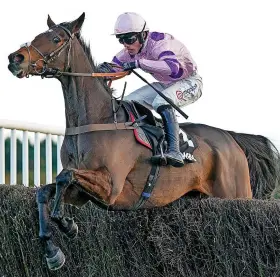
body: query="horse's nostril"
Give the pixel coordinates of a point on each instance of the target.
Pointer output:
(16, 58)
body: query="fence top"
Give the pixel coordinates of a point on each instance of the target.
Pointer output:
(31, 127)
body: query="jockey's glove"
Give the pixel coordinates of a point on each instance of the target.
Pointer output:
(105, 68)
(130, 65)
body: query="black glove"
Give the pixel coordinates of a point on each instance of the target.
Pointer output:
(129, 66)
(105, 68)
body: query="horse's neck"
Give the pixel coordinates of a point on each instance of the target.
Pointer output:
(86, 100)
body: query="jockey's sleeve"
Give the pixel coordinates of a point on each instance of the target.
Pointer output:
(168, 66)
(164, 62)
(118, 60)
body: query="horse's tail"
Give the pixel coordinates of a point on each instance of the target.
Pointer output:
(264, 163)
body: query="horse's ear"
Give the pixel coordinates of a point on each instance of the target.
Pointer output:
(76, 25)
(50, 22)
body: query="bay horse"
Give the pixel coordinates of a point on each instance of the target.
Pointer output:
(107, 165)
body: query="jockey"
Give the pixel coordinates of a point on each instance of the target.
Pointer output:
(170, 63)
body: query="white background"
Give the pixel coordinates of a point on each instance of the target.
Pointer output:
(235, 44)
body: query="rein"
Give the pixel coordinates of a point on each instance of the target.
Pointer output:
(101, 127)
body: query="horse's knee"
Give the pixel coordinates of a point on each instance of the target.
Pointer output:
(65, 176)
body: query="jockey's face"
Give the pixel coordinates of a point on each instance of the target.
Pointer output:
(131, 43)
(134, 48)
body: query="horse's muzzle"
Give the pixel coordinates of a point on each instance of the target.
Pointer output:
(16, 58)
(16, 70)
(15, 61)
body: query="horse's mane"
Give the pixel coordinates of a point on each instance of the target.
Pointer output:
(86, 48)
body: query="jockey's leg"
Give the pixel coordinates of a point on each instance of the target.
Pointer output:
(145, 95)
(181, 93)
(173, 155)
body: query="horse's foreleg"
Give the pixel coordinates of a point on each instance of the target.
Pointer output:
(65, 224)
(55, 257)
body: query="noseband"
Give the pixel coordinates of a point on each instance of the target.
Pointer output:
(46, 59)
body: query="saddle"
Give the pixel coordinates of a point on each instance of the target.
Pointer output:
(150, 131)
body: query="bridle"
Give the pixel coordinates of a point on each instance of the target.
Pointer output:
(50, 72)
(46, 59)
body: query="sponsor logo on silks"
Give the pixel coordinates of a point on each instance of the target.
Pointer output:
(179, 94)
(184, 94)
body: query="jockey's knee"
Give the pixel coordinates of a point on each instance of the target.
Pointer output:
(159, 101)
(140, 100)
(134, 97)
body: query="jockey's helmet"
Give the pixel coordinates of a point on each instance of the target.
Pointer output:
(130, 22)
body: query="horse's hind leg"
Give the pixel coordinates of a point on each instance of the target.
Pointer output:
(232, 177)
(55, 257)
(65, 224)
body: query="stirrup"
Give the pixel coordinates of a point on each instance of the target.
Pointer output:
(159, 160)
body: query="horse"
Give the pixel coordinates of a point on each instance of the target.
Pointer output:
(104, 163)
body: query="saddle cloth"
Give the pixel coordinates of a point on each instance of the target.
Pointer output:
(150, 132)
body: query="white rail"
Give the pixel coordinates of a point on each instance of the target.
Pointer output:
(12, 129)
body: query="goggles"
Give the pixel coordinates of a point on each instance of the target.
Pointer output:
(128, 39)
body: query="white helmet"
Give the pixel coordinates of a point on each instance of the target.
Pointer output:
(130, 23)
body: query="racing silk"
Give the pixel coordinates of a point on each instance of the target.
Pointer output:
(166, 58)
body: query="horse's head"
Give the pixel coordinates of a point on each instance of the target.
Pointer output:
(48, 53)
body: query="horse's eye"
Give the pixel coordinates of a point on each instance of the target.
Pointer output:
(56, 40)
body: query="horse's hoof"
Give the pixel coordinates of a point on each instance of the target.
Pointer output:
(57, 261)
(72, 233)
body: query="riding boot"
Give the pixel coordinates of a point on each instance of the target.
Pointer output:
(173, 155)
